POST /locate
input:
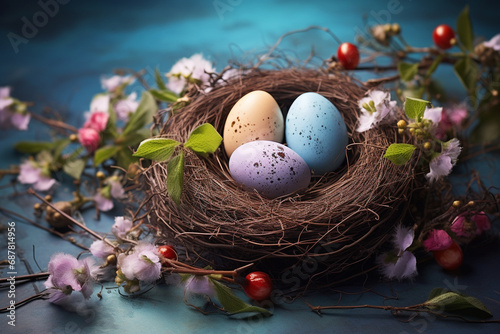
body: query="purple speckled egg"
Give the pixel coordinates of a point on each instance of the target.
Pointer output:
(271, 168)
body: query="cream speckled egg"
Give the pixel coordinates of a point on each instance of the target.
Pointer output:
(256, 116)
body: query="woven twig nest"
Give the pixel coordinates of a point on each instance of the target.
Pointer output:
(337, 223)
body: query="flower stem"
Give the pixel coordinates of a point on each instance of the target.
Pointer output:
(73, 220)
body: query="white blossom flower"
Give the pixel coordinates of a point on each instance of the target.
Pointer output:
(143, 264)
(442, 164)
(493, 43)
(405, 263)
(433, 114)
(195, 67)
(111, 84)
(125, 107)
(376, 108)
(121, 227)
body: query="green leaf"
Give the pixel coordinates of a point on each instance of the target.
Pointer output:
(158, 149)
(414, 108)
(135, 138)
(488, 128)
(407, 71)
(59, 146)
(159, 80)
(467, 71)
(124, 158)
(204, 140)
(143, 115)
(464, 29)
(104, 153)
(399, 154)
(457, 303)
(164, 95)
(32, 147)
(434, 65)
(175, 177)
(74, 168)
(233, 304)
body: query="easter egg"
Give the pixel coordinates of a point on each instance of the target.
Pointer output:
(269, 167)
(256, 116)
(316, 131)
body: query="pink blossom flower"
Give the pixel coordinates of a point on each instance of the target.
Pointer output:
(104, 196)
(462, 226)
(376, 108)
(117, 190)
(89, 138)
(30, 173)
(405, 263)
(97, 121)
(121, 227)
(20, 121)
(444, 162)
(9, 118)
(125, 107)
(101, 249)
(493, 43)
(102, 202)
(67, 274)
(195, 67)
(451, 117)
(111, 84)
(142, 264)
(437, 240)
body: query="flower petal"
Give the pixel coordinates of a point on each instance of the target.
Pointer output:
(103, 204)
(403, 238)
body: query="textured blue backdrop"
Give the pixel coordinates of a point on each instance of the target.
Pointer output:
(58, 62)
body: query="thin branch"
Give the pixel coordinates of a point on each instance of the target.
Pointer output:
(59, 234)
(54, 123)
(74, 221)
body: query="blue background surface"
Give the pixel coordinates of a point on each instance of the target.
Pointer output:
(60, 67)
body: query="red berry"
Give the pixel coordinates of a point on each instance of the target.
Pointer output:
(444, 36)
(168, 252)
(348, 55)
(258, 285)
(450, 258)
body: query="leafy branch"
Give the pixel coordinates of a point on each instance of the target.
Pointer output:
(441, 302)
(203, 141)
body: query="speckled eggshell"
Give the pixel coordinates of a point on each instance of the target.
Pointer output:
(316, 131)
(271, 168)
(256, 116)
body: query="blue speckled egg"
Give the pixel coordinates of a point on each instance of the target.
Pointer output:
(316, 131)
(271, 168)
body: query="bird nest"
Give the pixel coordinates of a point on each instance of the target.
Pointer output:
(331, 228)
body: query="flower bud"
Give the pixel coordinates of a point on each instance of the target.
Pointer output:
(401, 131)
(427, 145)
(73, 137)
(402, 124)
(55, 219)
(100, 175)
(396, 29)
(37, 207)
(48, 198)
(457, 204)
(89, 138)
